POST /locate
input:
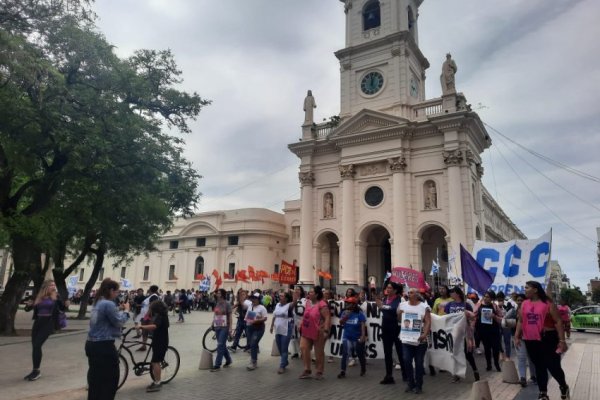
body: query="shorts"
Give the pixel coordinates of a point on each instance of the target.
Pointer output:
(158, 352)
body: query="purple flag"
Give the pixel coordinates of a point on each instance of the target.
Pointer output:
(474, 274)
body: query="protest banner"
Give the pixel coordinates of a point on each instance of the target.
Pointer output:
(447, 343)
(409, 277)
(287, 273)
(515, 262)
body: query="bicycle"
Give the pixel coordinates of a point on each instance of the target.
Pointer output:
(169, 367)
(209, 340)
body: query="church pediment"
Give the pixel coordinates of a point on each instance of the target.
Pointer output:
(366, 121)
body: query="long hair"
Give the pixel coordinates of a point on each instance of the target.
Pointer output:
(319, 292)
(459, 292)
(540, 290)
(45, 291)
(158, 308)
(105, 287)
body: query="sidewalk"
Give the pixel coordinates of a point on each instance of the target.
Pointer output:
(64, 369)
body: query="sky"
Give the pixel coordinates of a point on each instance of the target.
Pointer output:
(531, 70)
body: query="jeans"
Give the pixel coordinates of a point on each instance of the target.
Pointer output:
(507, 338)
(417, 354)
(42, 328)
(522, 361)
(254, 336)
(103, 372)
(283, 342)
(349, 347)
(181, 313)
(544, 357)
(491, 347)
(239, 328)
(222, 351)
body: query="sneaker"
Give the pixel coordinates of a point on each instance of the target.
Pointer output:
(543, 396)
(232, 349)
(533, 380)
(295, 356)
(388, 380)
(455, 379)
(352, 363)
(227, 364)
(476, 375)
(251, 366)
(34, 375)
(409, 389)
(154, 387)
(418, 391)
(565, 393)
(397, 366)
(281, 371)
(215, 369)
(523, 382)
(342, 375)
(498, 368)
(363, 372)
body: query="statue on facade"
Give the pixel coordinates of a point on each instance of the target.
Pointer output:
(447, 78)
(328, 206)
(430, 196)
(309, 105)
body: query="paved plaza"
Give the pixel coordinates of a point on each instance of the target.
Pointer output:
(64, 370)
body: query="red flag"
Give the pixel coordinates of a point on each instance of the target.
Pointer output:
(287, 273)
(218, 283)
(226, 275)
(215, 273)
(275, 277)
(251, 272)
(241, 275)
(199, 277)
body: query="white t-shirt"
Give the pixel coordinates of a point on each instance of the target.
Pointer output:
(254, 312)
(412, 321)
(281, 319)
(247, 304)
(146, 306)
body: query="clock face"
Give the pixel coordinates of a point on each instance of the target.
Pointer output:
(414, 87)
(371, 83)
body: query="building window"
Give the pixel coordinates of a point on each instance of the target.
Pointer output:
(173, 244)
(101, 274)
(123, 272)
(199, 268)
(295, 234)
(200, 242)
(231, 270)
(371, 15)
(233, 240)
(146, 272)
(374, 196)
(81, 274)
(276, 269)
(171, 272)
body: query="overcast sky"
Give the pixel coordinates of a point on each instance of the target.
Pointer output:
(531, 69)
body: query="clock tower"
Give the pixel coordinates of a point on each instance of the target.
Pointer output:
(382, 67)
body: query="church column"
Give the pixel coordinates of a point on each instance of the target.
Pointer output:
(347, 261)
(453, 160)
(306, 228)
(400, 254)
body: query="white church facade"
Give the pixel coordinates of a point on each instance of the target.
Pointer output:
(396, 181)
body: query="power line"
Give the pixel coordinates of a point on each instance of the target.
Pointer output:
(548, 159)
(540, 200)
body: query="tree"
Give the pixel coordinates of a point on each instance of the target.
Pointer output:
(77, 125)
(573, 296)
(596, 296)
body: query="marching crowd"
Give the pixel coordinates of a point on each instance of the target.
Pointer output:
(529, 324)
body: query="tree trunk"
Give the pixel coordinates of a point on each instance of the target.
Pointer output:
(60, 274)
(92, 281)
(26, 260)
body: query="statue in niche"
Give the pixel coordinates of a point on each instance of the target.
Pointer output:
(309, 105)
(447, 78)
(430, 195)
(328, 206)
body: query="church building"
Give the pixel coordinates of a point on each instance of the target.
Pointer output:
(394, 181)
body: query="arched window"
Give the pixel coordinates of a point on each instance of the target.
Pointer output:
(371, 15)
(411, 21)
(199, 266)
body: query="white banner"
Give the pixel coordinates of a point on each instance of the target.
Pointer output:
(447, 343)
(515, 262)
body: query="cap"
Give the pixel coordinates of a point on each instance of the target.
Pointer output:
(256, 294)
(351, 300)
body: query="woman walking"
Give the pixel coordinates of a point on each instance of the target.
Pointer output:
(46, 308)
(222, 325)
(283, 323)
(256, 315)
(314, 330)
(540, 327)
(354, 335)
(105, 326)
(298, 311)
(488, 328)
(240, 327)
(390, 330)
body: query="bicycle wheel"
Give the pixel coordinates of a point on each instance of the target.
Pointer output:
(123, 370)
(169, 366)
(209, 341)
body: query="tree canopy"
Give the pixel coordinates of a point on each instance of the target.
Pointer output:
(87, 162)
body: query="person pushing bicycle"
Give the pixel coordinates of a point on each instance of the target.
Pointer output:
(159, 325)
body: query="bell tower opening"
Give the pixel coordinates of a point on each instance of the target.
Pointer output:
(371, 15)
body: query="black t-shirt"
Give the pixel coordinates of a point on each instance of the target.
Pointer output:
(160, 336)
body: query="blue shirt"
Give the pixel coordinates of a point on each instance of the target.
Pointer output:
(352, 329)
(106, 321)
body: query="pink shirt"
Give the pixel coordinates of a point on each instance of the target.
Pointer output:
(312, 319)
(533, 316)
(564, 311)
